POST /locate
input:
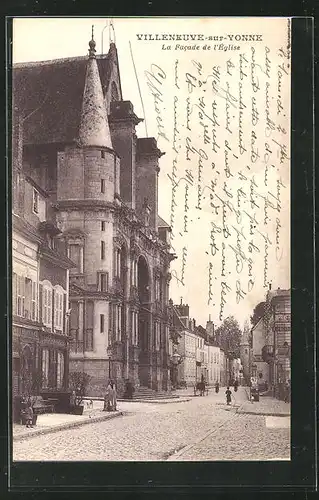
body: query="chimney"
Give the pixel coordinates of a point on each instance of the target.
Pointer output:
(123, 122)
(147, 169)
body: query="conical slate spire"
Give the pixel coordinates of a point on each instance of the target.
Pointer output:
(94, 126)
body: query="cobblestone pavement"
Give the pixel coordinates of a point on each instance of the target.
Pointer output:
(266, 406)
(148, 432)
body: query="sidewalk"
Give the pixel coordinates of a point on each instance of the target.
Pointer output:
(143, 400)
(266, 406)
(53, 422)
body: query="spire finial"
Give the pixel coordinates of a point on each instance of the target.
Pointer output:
(92, 44)
(111, 32)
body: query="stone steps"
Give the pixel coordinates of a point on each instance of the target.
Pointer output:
(147, 393)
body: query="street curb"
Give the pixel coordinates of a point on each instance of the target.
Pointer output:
(50, 430)
(154, 401)
(178, 399)
(263, 414)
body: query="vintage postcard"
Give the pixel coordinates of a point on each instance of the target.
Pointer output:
(151, 239)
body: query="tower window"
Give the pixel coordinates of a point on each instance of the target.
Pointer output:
(103, 225)
(103, 282)
(102, 250)
(35, 201)
(101, 323)
(103, 185)
(103, 154)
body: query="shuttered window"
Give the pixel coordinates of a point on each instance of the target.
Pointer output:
(58, 310)
(47, 306)
(34, 302)
(14, 293)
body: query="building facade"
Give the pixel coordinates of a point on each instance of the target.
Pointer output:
(40, 283)
(102, 183)
(214, 364)
(271, 343)
(187, 350)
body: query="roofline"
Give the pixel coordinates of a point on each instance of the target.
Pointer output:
(255, 326)
(29, 64)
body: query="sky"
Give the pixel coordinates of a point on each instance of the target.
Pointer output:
(38, 39)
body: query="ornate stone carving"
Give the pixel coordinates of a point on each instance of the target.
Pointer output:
(158, 308)
(117, 287)
(157, 273)
(119, 241)
(134, 248)
(134, 294)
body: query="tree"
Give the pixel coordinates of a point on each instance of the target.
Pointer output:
(229, 334)
(258, 313)
(79, 382)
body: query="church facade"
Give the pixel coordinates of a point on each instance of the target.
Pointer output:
(102, 184)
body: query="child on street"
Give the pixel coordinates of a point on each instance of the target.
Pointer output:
(228, 396)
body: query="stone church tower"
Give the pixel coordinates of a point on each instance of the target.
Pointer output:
(102, 183)
(244, 352)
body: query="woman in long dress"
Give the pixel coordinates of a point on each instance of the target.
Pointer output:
(113, 396)
(108, 398)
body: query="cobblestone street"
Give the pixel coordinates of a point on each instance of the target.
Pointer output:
(203, 428)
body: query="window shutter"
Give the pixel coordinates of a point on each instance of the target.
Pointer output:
(64, 309)
(14, 293)
(40, 303)
(54, 296)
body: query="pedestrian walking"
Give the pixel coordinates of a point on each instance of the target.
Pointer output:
(29, 415)
(228, 395)
(287, 392)
(236, 385)
(217, 387)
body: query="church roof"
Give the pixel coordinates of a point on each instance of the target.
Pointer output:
(94, 126)
(50, 94)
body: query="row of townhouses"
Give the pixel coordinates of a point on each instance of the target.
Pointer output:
(200, 353)
(91, 256)
(266, 348)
